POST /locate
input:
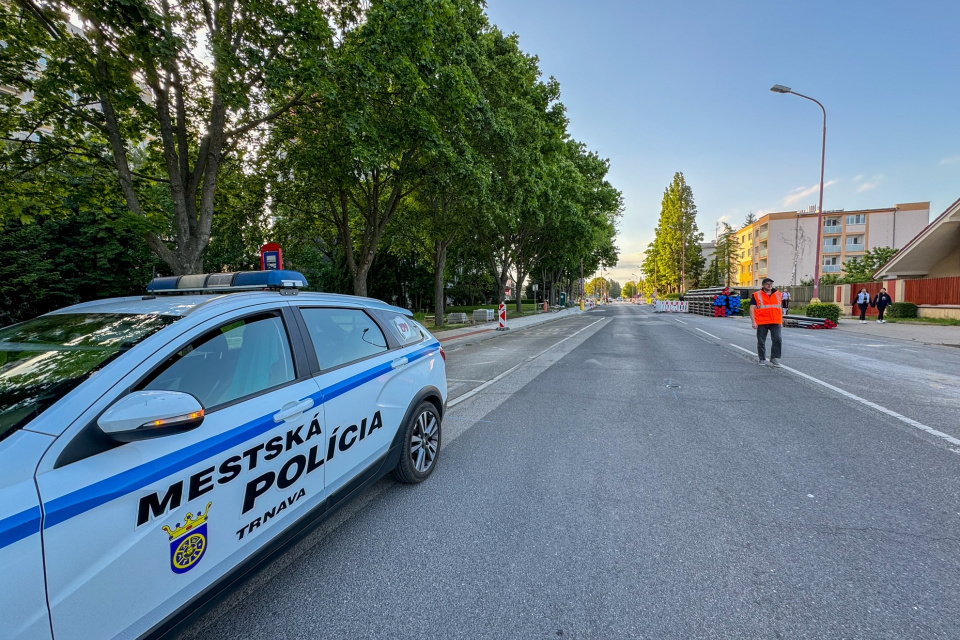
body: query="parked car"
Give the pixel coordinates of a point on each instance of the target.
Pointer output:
(153, 449)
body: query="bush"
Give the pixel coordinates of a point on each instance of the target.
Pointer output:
(902, 310)
(670, 296)
(824, 310)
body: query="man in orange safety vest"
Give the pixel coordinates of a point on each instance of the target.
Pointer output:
(766, 314)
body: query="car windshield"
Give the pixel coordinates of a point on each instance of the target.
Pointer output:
(42, 359)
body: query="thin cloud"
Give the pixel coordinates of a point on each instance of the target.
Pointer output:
(950, 160)
(801, 193)
(858, 178)
(872, 183)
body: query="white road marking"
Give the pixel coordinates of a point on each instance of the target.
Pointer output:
(708, 333)
(462, 380)
(475, 391)
(681, 322)
(474, 364)
(867, 403)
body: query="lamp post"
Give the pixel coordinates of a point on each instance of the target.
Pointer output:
(779, 88)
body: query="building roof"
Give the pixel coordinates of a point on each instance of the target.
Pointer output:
(928, 248)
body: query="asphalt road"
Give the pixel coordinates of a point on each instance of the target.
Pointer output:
(629, 476)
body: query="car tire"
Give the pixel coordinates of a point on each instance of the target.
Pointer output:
(421, 445)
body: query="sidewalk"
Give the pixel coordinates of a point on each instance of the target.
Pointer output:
(488, 330)
(923, 333)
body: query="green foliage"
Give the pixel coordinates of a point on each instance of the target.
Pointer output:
(675, 252)
(57, 262)
(902, 310)
(824, 310)
(130, 93)
(857, 270)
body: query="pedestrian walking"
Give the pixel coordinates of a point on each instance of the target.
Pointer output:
(881, 301)
(863, 301)
(766, 315)
(786, 300)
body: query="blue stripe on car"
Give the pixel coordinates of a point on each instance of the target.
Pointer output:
(19, 526)
(72, 504)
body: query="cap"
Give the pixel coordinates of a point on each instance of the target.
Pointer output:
(766, 280)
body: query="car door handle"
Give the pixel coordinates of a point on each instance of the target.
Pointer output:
(400, 362)
(292, 409)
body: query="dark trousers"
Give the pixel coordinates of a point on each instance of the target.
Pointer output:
(880, 310)
(775, 334)
(863, 311)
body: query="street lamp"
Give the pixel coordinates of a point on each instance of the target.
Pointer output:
(779, 88)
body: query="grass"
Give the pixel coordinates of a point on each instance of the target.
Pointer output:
(943, 322)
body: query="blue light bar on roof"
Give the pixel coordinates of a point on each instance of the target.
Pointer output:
(225, 282)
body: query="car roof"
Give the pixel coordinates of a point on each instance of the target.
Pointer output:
(182, 305)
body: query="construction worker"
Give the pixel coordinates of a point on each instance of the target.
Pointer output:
(766, 315)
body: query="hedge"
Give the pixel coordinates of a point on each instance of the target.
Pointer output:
(824, 310)
(902, 310)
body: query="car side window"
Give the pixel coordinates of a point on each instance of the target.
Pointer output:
(341, 336)
(239, 359)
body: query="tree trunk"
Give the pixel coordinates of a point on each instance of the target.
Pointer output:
(439, 293)
(519, 286)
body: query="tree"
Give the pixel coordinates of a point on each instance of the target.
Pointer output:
(677, 235)
(856, 270)
(749, 220)
(726, 256)
(613, 288)
(127, 89)
(596, 287)
(630, 289)
(402, 90)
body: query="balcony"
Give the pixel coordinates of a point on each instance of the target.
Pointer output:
(763, 235)
(855, 248)
(831, 248)
(762, 272)
(832, 229)
(832, 268)
(763, 253)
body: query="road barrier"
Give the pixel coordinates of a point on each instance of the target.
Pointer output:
(671, 306)
(503, 317)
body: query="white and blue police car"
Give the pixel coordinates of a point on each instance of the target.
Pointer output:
(154, 449)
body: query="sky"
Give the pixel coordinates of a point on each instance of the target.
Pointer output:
(660, 86)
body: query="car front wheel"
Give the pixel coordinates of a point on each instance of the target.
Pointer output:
(421, 445)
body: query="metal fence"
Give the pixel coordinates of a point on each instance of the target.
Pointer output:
(802, 295)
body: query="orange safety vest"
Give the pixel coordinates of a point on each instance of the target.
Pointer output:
(769, 309)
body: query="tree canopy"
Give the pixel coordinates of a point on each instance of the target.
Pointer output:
(374, 140)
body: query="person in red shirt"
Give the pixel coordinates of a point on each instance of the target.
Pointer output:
(766, 315)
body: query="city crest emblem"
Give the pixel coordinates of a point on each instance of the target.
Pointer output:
(188, 542)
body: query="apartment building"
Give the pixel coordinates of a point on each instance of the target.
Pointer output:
(782, 245)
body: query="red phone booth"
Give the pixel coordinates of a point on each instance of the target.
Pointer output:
(271, 257)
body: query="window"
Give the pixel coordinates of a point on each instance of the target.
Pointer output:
(341, 336)
(832, 222)
(43, 359)
(407, 330)
(237, 360)
(860, 218)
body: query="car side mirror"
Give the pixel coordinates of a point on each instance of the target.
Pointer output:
(151, 414)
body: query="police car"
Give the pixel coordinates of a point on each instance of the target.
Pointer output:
(153, 449)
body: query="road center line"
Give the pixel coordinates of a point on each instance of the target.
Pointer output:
(473, 392)
(865, 402)
(681, 321)
(708, 333)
